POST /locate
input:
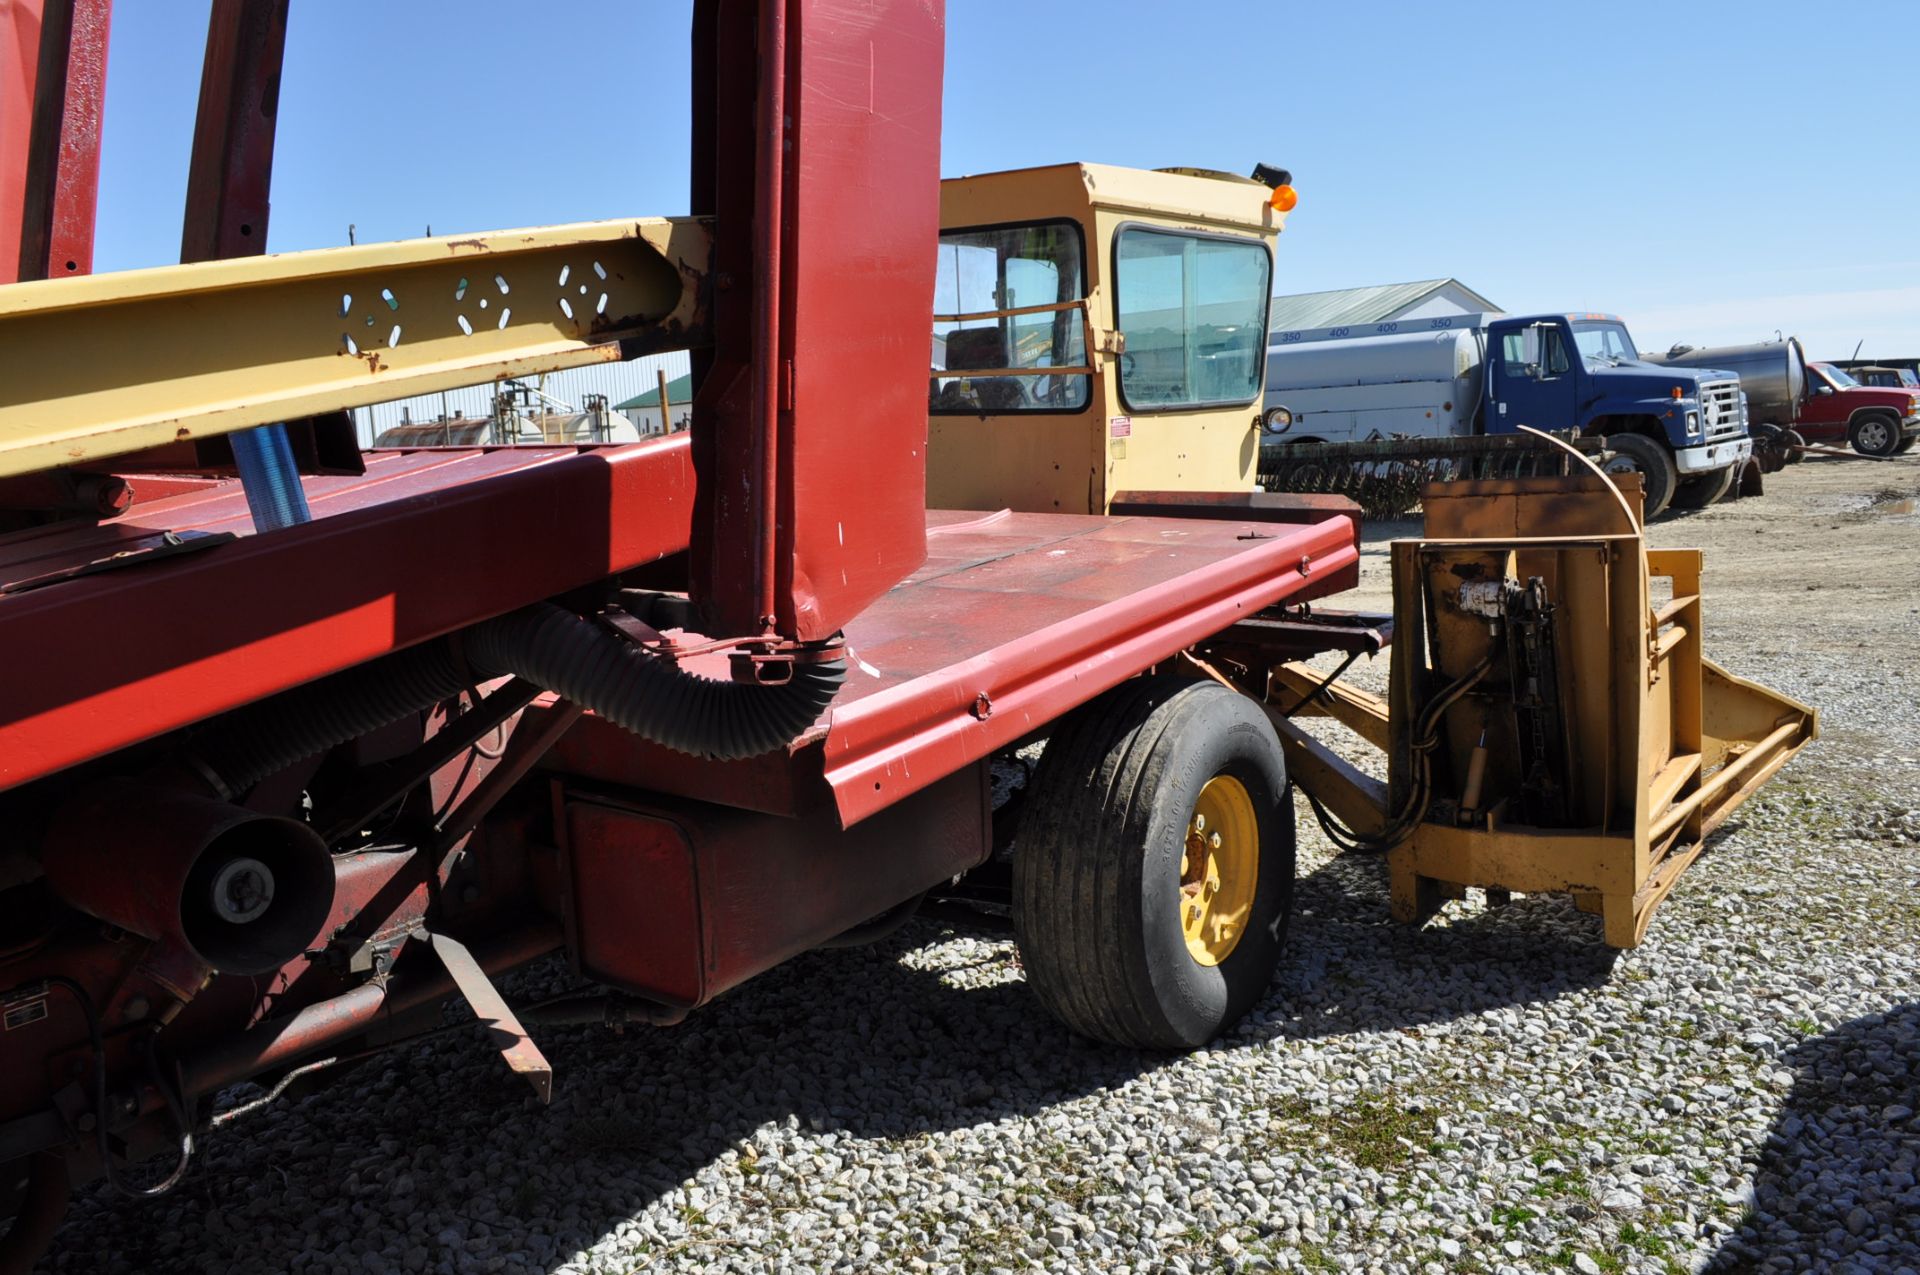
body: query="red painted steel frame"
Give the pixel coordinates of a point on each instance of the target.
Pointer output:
(424, 543)
(805, 519)
(50, 188)
(821, 366)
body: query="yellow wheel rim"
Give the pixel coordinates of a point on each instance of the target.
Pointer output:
(1219, 870)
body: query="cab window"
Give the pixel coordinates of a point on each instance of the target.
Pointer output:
(1007, 299)
(1513, 352)
(1193, 312)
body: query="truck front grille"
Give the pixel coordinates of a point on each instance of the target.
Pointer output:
(1720, 410)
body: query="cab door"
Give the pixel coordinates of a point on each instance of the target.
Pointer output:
(1823, 418)
(1534, 377)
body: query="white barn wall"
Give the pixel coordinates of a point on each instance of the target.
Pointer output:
(1450, 298)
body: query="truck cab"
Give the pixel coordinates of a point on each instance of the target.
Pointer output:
(1098, 330)
(1874, 420)
(1447, 376)
(1583, 370)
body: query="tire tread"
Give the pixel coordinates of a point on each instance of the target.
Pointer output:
(1095, 786)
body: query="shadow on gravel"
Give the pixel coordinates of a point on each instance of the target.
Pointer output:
(1349, 966)
(1836, 1187)
(442, 1146)
(449, 1151)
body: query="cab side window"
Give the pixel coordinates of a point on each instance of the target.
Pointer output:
(1553, 353)
(1007, 308)
(1513, 354)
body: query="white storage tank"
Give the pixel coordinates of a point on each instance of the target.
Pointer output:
(1410, 384)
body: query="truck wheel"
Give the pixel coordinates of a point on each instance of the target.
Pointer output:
(1634, 454)
(1874, 434)
(1697, 491)
(1793, 440)
(1769, 446)
(1153, 867)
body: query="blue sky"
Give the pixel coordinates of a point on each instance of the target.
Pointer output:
(1713, 173)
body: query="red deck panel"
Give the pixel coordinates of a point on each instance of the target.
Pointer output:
(1038, 613)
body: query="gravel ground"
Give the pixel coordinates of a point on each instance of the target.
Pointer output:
(1494, 1092)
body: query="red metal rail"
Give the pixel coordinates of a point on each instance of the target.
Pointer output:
(232, 165)
(50, 151)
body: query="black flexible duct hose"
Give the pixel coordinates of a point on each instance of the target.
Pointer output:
(555, 648)
(548, 646)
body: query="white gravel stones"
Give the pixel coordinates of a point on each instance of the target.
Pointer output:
(1495, 1092)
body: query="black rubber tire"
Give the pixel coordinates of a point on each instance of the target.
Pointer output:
(1874, 434)
(1096, 863)
(1794, 441)
(1697, 491)
(1658, 477)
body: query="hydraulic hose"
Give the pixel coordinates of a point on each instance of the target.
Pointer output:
(1426, 737)
(548, 646)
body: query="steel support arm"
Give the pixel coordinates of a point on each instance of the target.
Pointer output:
(99, 366)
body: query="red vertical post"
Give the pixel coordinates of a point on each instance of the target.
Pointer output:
(769, 364)
(231, 172)
(817, 124)
(58, 175)
(229, 178)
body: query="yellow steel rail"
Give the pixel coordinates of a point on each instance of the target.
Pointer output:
(98, 366)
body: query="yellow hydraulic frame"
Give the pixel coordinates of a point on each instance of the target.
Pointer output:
(1661, 744)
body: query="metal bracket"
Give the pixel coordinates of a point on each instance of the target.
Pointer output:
(491, 1008)
(353, 954)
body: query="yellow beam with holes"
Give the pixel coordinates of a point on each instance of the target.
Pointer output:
(98, 366)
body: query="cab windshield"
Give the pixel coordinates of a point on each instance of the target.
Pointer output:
(1837, 376)
(1607, 341)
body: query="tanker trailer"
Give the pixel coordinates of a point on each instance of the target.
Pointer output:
(1773, 375)
(1377, 413)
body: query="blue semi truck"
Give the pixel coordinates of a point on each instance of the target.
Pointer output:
(1399, 384)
